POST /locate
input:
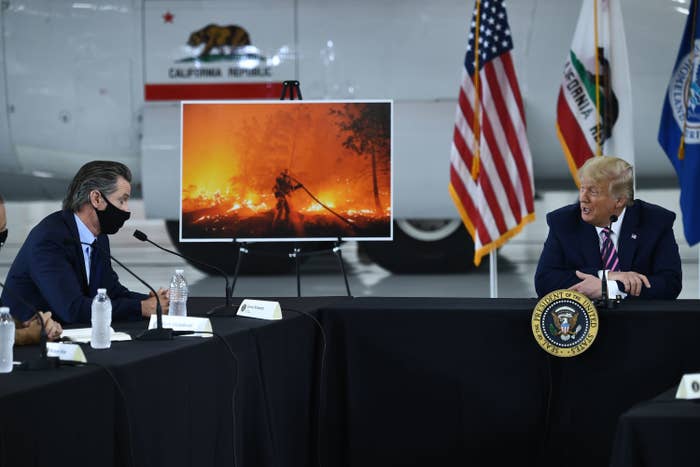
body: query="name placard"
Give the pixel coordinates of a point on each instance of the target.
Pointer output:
(184, 323)
(66, 352)
(689, 387)
(260, 309)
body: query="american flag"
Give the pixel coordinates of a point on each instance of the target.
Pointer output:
(490, 163)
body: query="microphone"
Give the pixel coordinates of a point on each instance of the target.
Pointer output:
(604, 285)
(159, 333)
(226, 308)
(44, 362)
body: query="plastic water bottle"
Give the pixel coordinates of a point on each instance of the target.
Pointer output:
(7, 339)
(178, 294)
(100, 337)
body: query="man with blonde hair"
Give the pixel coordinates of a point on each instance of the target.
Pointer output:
(608, 230)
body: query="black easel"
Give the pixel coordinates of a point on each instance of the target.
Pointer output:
(296, 254)
(291, 87)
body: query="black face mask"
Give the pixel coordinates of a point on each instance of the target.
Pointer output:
(111, 219)
(3, 238)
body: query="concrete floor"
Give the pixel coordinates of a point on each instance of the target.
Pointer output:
(321, 275)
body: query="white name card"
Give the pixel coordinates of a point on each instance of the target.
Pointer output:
(689, 387)
(260, 309)
(66, 352)
(184, 323)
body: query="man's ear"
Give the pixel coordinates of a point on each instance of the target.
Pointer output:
(95, 198)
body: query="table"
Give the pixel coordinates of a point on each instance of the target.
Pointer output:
(403, 381)
(462, 381)
(660, 432)
(176, 407)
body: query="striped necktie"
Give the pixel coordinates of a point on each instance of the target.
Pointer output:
(609, 252)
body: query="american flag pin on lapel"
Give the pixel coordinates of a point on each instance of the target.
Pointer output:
(634, 236)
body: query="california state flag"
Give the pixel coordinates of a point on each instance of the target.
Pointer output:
(594, 109)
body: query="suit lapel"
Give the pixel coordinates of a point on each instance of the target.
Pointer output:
(69, 220)
(627, 243)
(589, 244)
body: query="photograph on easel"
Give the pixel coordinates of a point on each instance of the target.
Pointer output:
(286, 170)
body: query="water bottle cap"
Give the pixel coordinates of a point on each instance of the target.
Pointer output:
(179, 271)
(4, 309)
(99, 291)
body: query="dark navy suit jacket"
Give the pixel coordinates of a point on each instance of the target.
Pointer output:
(49, 273)
(646, 245)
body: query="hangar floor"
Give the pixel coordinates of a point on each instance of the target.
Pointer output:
(321, 275)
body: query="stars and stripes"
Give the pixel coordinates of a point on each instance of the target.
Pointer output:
(490, 163)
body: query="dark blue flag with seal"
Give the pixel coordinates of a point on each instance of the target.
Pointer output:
(681, 116)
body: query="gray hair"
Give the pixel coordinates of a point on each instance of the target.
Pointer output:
(96, 175)
(617, 172)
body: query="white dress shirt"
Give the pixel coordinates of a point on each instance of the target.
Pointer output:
(613, 289)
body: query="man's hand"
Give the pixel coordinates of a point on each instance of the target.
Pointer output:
(53, 328)
(631, 280)
(148, 306)
(590, 285)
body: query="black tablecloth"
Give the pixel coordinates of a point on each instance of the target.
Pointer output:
(402, 382)
(662, 432)
(176, 407)
(462, 382)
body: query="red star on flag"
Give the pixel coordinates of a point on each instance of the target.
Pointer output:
(168, 17)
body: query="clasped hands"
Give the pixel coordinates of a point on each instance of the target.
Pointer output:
(32, 327)
(591, 286)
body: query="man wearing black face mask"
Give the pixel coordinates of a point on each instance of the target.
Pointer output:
(52, 273)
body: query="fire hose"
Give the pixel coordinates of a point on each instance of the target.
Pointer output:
(301, 185)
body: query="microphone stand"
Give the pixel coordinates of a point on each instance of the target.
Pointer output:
(605, 301)
(44, 362)
(159, 333)
(227, 308)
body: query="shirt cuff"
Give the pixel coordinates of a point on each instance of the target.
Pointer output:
(613, 288)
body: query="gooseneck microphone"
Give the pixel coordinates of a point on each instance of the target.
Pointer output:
(159, 333)
(605, 298)
(224, 308)
(44, 361)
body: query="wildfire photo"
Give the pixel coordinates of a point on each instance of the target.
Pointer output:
(286, 170)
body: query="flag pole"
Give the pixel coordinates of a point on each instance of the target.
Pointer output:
(597, 79)
(493, 272)
(476, 130)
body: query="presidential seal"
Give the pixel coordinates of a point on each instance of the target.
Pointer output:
(565, 323)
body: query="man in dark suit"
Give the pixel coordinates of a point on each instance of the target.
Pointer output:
(54, 271)
(639, 253)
